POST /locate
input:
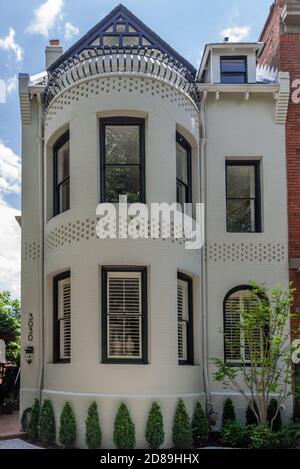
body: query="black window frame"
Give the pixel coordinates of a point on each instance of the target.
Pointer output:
(257, 199)
(63, 139)
(190, 324)
(56, 320)
(244, 74)
(189, 189)
(122, 121)
(144, 300)
(227, 296)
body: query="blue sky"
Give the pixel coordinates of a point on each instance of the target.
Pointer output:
(25, 30)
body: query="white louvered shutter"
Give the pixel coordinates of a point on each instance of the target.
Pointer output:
(183, 318)
(236, 346)
(232, 329)
(124, 315)
(64, 318)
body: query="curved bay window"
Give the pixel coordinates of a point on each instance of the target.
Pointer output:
(122, 159)
(124, 315)
(61, 178)
(183, 171)
(238, 349)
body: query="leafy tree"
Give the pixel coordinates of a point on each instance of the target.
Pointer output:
(182, 431)
(47, 429)
(200, 427)
(228, 412)
(274, 416)
(10, 326)
(268, 369)
(93, 434)
(67, 429)
(33, 426)
(124, 429)
(155, 427)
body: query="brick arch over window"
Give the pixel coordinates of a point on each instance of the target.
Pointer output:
(236, 349)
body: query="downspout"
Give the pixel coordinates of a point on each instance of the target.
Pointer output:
(40, 141)
(203, 200)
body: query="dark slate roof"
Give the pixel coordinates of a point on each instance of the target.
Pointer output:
(95, 32)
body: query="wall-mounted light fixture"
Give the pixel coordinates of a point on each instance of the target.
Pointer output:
(29, 354)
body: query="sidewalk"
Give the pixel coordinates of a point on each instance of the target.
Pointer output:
(10, 426)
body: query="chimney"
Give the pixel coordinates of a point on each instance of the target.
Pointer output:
(53, 51)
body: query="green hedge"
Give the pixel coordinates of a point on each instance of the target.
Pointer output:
(155, 435)
(124, 429)
(47, 431)
(67, 429)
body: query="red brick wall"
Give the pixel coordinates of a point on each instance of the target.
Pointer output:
(283, 51)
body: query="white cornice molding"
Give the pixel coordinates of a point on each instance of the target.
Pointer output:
(24, 98)
(282, 98)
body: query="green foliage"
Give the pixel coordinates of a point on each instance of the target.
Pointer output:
(182, 431)
(155, 427)
(124, 429)
(67, 429)
(234, 435)
(33, 425)
(47, 430)
(288, 437)
(274, 416)
(200, 427)
(10, 326)
(93, 434)
(228, 412)
(262, 437)
(251, 418)
(264, 325)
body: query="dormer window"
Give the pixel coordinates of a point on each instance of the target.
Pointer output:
(234, 70)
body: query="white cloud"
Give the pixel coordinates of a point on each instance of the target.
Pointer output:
(45, 17)
(236, 33)
(11, 84)
(10, 249)
(10, 232)
(70, 31)
(10, 171)
(9, 44)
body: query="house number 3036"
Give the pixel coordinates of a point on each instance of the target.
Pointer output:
(30, 327)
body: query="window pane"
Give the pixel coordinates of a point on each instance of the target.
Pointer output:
(241, 216)
(181, 194)
(240, 181)
(110, 40)
(131, 40)
(233, 65)
(124, 316)
(182, 163)
(122, 144)
(63, 162)
(131, 29)
(122, 181)
(145, 42)
(64, 317)
(64, 196)
(233, 79)
(120, 28)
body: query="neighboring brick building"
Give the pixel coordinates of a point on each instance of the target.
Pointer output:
(281, 35)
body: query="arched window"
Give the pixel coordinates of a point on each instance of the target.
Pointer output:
(61, 180)
(237, 348)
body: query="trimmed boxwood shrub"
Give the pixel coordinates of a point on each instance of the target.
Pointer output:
(200, 427)
(228, 412)
(155, 427)
(272, 409)
(182, 431)
(234, 435)
(67, 429)
(250, 415)
(47, 429)
(124, 429)
(262, 437)
(33, 425)
(93, 434)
